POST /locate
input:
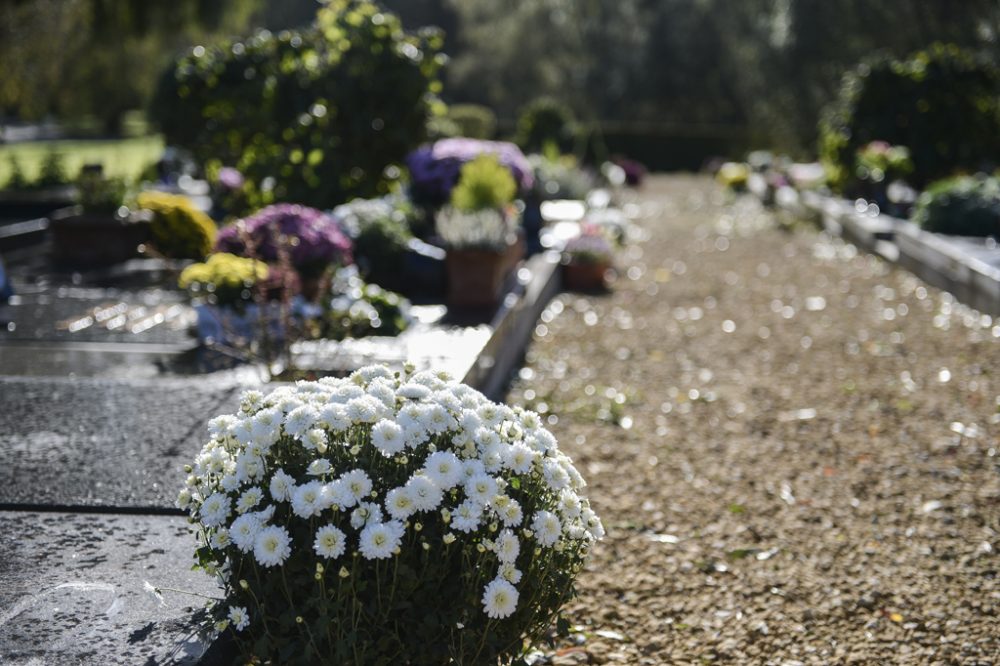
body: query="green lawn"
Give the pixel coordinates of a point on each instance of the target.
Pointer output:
(121, 157)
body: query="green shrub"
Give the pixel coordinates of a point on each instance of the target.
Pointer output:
(381, 233)
(545, 121)
(317, 116)
(16, 181)
(473, 121)
(53, 171)
(943, 103)
(180, 230)
(484, 183)
(97, 194)
(961, 206)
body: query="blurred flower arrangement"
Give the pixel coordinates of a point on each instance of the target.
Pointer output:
(179, 229)
(386, 518)
(435, 168)
(879, 161)
(224, 279)
(480, 214)
(590, 247)
(312, 239)
(586, 260)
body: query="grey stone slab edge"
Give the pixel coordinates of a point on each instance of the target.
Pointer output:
(514, 325)
(75, 589)
(931, 257)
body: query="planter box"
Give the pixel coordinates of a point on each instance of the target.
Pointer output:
(476, 277)
(92, 239)
(585, 277)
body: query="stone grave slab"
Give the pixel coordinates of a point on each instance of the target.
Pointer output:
(73, 590)
(85, 314)
(93, 442)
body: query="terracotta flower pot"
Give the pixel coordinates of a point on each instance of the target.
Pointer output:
(476, 277)
(589, 276)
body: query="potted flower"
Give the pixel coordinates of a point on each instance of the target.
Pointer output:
(223, 289)
(310, 240)
(586, 260)
(479, 232)
(386, 518)
(99, 230)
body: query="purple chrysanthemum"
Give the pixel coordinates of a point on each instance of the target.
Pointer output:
(435, 168)
(312, 238)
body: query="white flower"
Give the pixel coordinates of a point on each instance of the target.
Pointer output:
(307, 500)
(358, 485)
(365, 514)
(272, 546)
(509, 572)
(519, 458)
(250, 498)
(530, 420)
(300, 420)
(330, 542)
(481, 488)
(444, 468)
(221, 426)
(511, 514)
(318, 467)
(499, 598)
(315, 439)
(491, 414)
(546, 527)
(413, 391)
(569, 504)
(381, 389)
(220, 539)
(239, 618)
(250, 401)
(244, 531)
(469, 421)
(379, 540)
(183, 498)
(472, 468)
(399, 503)
(507, 546)
(248, 467)
(334, 416)
(336, 493)
(215, 510)
(486, 438)
(593, 523)
(364, 409)
(555, 475)
(466, 517)
(281, 486)
(438, 420)
(387, 437)
(425, 493)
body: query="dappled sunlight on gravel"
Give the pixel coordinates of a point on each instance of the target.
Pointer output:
(793, 446)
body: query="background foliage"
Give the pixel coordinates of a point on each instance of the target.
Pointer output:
(673, 78)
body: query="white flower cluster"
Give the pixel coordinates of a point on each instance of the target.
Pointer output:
(464, 460)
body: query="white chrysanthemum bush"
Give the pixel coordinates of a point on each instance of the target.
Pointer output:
(387, 518)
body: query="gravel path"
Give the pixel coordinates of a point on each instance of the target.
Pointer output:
(792, 444)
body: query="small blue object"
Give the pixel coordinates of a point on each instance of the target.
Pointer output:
(6, 289)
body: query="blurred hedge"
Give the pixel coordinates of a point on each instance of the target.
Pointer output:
(942, 103)
(315, 116)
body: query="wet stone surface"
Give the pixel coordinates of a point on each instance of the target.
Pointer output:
(73, 590)
(109, 443)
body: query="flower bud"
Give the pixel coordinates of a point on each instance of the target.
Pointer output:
(344, 573)
(449, 538)
(244, 585)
